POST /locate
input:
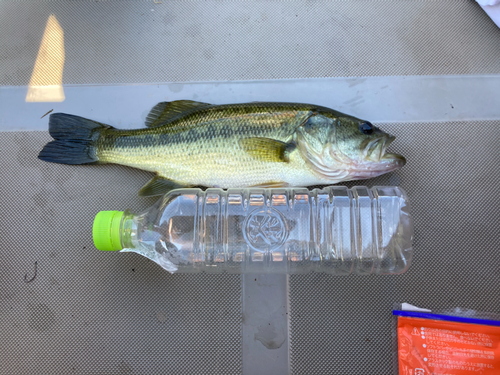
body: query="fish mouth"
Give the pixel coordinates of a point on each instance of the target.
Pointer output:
(398, 160)
(375, 149)
(376, 160)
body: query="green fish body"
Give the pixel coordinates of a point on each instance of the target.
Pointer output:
(236, 145)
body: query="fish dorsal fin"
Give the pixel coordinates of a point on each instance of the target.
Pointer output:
(267, 149)
(158, 186)
(165, 111)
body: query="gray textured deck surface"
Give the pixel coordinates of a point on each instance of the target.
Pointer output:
(94, 312)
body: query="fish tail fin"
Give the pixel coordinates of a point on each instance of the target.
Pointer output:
(74, 140)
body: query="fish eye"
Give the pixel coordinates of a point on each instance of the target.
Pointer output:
(366, 128)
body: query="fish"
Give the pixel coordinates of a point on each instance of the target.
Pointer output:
(259, 144)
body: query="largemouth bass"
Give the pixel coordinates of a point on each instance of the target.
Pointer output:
(236, 145)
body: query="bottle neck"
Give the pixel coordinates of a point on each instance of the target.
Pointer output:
(129, 231)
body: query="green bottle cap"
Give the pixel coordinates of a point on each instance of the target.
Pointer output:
(106, 230)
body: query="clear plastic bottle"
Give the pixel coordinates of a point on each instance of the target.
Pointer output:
(287, 230)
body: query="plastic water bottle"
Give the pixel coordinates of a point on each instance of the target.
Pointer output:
(287, 230)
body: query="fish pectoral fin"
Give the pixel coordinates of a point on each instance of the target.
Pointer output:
(165, 111)
(267, 149)
(271, 184)
(158, 186)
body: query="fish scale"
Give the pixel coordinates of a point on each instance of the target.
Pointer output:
(202, 140)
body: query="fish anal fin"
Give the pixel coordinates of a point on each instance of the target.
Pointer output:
(158, 186)
(271, 184)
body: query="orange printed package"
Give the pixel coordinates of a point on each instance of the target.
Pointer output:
(434, 344)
